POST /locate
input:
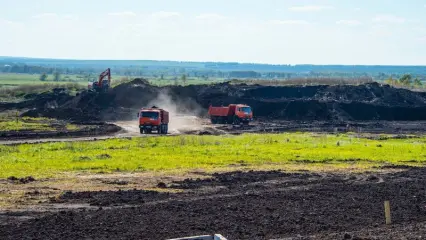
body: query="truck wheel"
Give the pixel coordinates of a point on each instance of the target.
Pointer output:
(236, 121)
(141, 130)
(223, 120)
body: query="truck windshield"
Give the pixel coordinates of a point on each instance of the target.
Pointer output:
(246, 110)
(153, 115)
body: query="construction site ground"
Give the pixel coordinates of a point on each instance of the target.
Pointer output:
(239, 205)
(239, 202)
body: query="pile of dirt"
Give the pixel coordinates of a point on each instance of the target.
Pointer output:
(370, 101)
(232, 178)
(47, 100)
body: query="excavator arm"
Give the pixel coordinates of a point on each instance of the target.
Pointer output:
(101, 85)
(106, 73)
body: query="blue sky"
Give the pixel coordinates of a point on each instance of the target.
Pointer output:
(257, 31)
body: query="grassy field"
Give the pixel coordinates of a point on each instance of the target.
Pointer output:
(14, 79)
(23, 124)
(185, 153)
(10, 123)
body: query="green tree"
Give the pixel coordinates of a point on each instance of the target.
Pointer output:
(418, 82)
(390, 81)
(183, 79)
(43, 77)
(56, 76)
(406, 80)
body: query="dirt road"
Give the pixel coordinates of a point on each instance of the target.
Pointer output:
(186, 125)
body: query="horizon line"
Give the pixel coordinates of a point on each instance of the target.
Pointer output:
(188, 61)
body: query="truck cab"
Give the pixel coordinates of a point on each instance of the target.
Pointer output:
(153, 119)
(243, 113)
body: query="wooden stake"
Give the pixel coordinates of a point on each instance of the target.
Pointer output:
(387, 213)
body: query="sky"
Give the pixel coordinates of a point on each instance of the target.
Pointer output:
(366, 32)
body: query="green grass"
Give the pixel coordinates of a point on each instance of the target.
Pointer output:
(183, 153)
(25, 124)
(8, 122)
(16, 79)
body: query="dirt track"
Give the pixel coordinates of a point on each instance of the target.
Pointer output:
(254, 205)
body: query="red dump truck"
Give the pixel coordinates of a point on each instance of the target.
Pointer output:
(153, 119)
(232, 114)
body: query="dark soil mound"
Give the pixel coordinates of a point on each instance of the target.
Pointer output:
(48, 100)
(234, 179)
(370, 101)
(105, 198)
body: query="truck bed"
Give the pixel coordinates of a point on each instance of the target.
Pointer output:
(219, 111)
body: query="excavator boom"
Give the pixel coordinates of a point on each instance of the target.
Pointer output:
(102, 85)
(106, 73)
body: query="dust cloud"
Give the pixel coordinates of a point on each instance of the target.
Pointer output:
(183, 115)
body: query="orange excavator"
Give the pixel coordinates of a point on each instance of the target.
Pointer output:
(102, 85)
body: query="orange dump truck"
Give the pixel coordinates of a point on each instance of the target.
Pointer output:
(232, 114)
(153, 119)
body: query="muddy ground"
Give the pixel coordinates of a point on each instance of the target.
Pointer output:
(192, 125)
(365, 108)
(60, 131)
(240, 205)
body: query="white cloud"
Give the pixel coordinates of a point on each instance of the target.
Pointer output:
(349, 22)
(381, 30)
(419, 29)
(123, 14)
(422, 39)
(45, 15)
(164, 14)
(387, 18)
(70, 17)
(357, 9)
(6, 22)
(289, 22)
(210, 16)
(310, 8)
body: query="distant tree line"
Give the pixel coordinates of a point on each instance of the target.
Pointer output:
(53, 70)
